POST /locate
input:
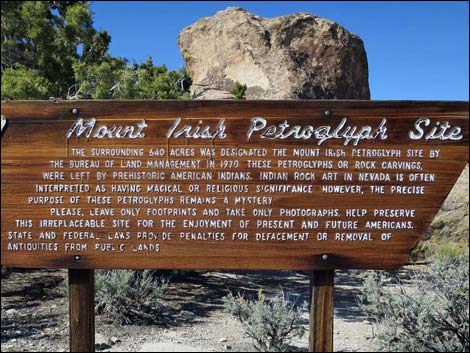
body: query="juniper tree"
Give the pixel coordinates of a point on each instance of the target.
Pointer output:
(50, 48)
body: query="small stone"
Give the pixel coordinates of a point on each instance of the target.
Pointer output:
(99, 339)
(114, 340)
(185, 315)
(228, 348)
(11, 312)
(223, 340)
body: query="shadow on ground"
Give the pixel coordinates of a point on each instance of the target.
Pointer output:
(191, 296)
(17, 327)
(201, 292)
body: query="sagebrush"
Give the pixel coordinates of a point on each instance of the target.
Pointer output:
(130, 297)
(431, 315)
(270, 323)
(239, 91)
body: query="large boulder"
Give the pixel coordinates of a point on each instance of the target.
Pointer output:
(452, 220)
(299, 56)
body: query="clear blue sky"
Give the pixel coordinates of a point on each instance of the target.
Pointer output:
(416, 50)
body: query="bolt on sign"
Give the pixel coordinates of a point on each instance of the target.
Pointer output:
(302, 185)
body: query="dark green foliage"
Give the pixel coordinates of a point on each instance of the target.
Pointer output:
(130, 297)
(23, 83)
(42, 39)
(239, 90)
(97, 79)
(270, 323)
(50, 48)
(432, 315)
(146, 81)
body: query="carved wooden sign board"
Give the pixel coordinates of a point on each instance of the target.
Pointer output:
(299, 185)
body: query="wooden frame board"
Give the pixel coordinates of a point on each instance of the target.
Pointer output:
(303, 185)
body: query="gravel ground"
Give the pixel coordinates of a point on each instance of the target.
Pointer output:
(35, 313)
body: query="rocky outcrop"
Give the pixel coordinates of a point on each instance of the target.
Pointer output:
(299, 56)
(452, 220)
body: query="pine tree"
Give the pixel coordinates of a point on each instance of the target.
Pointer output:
(50, 48)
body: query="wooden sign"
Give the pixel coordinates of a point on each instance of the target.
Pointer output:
(224, 184)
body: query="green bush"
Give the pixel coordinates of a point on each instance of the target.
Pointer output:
(24, 83)
(430, 315)
(447, 250)
(432, 249)
(129, 297)
(270, 323)
(239, 90)
(51, 49)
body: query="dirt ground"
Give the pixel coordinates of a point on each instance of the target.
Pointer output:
(34, 313)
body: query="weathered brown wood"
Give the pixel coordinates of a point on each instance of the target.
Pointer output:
(82, 310)
(166, 109)
(35, 135)
(321, 311)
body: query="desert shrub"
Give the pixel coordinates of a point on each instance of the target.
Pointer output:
(420, 252)
(432, 249)
(129, 296)
(431, 314)
(270, 323)
(239, 90)
(447, 250)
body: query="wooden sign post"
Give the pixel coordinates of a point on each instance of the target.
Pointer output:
(82, 310)
(321, 311)
(259, 185)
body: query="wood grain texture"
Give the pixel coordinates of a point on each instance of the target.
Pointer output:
(321, 311)
(82, 310)
(35, 135)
